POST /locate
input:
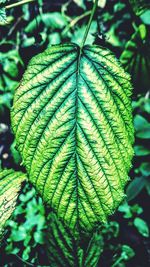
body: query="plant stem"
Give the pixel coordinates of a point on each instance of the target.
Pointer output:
(89, 23)
(117, 262)
(19, 3)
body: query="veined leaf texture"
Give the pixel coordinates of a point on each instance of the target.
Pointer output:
(72, 119)
(10, 185)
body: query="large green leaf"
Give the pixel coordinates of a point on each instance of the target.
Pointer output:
(10, 185)
(136, 58)
(63, 250)
(73, 125)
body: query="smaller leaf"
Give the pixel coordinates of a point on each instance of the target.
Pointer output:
(125, 208)
(26, 253)
(142, 31)
(10, 185)
(140, 6)
(127, 252)
(38, 237)
(3, 19)
(94, 250)
(145, 168)
(53, 20)
(147, 185)
(136, 58)
(20, 234)
(64, 250)
(102, 3)
(141, 151)
(145, 17)
(141, 226)
(135, 187)
(80, 3)
(142, 127)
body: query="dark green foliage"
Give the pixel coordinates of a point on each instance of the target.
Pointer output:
(10, 186)
(2, 16)
(136, 58)
(26, 227)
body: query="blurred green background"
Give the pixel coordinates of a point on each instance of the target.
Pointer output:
(124, 28)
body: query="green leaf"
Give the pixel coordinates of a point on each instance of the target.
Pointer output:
(38, 237)
(145, 168)
(3, 19)
(125, 208)
(101, 3)
(78, 34)
(64, 250)
(130, 211)
(141, 151)
(15, 153)
(141, 226)
(135, 187)
(127, 252)
(73, 125)
(136, 58)
(145, 17)
(10, 185)
(147, 185)
(60, 243)
(53, 20)
(20, 234)
(93, 251)
(26, 253)
(142, 127)
(80, 3)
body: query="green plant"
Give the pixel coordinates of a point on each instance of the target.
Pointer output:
(27, 226)
(75, 136)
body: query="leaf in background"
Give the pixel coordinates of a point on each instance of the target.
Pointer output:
(61, 245)
(80, 3)
(78, 34)
(10, 63)
(145, 168)
(141, 151)
(135, 187)
(73, 125)
(5, 101)
(127, 252)
(15, 153)
(53, 20)
(141, 226)
(93, 251)
(63, 250)
(147, 185)
(142, 127)
(101, 3)
(143, 103)
(10, 185)
(3, 18)
(136, 58)
(145, 17)
(140, 6)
